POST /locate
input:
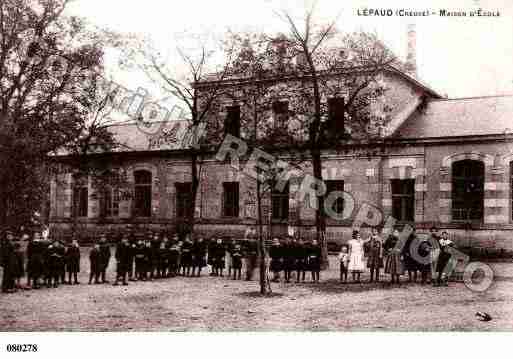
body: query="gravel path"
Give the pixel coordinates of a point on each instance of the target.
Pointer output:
(220, 304)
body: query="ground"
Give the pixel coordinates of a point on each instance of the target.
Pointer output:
(221, 304)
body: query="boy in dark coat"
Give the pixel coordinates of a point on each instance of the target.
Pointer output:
(374, 251)
(288, 259)
(237, 262)
(199, 254)
(275, 253)
(73, 261)
(131, 267)
(140, 273)
(95, 264)
(35, 265)
(104, 258)
(19, 270)
(251, 257)
(8, 262)
(301, 260)
(410, 264)
(162, 260)
(122, 261)
(173, 256)
(61, 262)
(53, 260)
(154, 257)
(186, 256)
(314, 260)
(219, 257)
(147, 260)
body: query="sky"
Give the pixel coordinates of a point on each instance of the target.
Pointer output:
(456, 56)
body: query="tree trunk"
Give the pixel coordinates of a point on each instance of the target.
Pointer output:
(194, 191)
(320, 220)
(261, 246)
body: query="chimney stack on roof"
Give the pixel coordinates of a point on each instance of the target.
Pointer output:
(411, 57)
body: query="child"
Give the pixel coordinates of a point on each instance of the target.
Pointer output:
(73, 261)
(237, 262)
(95, 265)
(174, 255)
(219, 257)
(356, 263)
(343, 258)
(314, 260)
(19, 268)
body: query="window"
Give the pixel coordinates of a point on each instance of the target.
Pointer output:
(280, 203)
(281, 114)
(232, 121)
(336, 115)
(110, 203)
(467, 190)
(403, 199)
(80, 200)
(142, 204)
(183, 199)
(231, 199)
(332, 186)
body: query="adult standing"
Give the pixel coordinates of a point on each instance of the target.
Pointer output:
(374, 249)
(393, 262)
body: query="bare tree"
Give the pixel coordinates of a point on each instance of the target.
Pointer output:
(182, 80)
(330, 65)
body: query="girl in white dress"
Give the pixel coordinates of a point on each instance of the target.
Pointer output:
(356, 262)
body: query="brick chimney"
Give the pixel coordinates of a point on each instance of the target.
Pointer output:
(411, 57)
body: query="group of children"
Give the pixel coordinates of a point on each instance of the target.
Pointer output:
(414, 254)
(153, 257)
(293, 255)
(44, 262)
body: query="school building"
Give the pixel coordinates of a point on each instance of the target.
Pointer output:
(438, 161)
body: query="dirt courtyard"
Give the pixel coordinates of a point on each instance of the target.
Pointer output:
(221, 304)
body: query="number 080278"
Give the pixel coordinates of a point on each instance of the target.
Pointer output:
(22, 348)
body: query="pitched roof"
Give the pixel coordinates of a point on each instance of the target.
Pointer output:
(133, 136)
(492, 115)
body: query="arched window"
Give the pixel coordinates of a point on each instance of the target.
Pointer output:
(467, 190)
(142, 200)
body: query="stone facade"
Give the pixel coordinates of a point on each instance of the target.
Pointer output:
(367, 174)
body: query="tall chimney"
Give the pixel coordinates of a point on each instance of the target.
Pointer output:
(411, 57)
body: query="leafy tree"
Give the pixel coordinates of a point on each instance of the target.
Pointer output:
(46, 59)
